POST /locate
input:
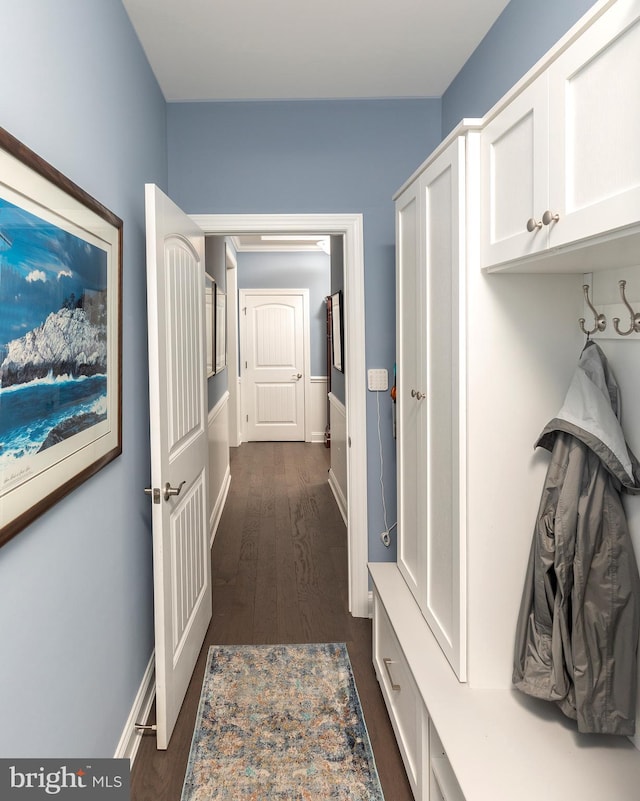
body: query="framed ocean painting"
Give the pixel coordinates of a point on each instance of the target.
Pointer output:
(60, 336)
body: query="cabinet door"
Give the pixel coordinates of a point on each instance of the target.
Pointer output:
(410, 379)
(443, 201)
(594, 180)
(430, 238)
(515, 160)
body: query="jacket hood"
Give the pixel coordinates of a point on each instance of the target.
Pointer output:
(591, 412)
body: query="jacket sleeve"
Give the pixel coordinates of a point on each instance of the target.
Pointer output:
(540, 666)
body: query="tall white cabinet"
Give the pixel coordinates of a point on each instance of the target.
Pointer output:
(487, 341)
(431, 214)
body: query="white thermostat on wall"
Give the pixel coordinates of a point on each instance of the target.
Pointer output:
(378, 380)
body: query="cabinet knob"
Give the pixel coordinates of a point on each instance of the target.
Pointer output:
(533, 225)
(417, 395)
(548, 217)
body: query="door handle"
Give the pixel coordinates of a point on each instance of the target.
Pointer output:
(296, 377)
(387, 663)
(154, 492)
(169, 490)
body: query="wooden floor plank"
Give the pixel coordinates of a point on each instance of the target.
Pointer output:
(279, 575)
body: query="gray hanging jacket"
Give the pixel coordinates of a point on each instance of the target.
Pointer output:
(577, 631)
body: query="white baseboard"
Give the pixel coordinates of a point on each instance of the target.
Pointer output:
(218, 507)
(338, 495)
(130, 739)
(317, 437)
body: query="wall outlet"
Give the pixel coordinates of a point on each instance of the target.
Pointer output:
(378, 380)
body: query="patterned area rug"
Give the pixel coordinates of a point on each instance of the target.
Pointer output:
(280, 722)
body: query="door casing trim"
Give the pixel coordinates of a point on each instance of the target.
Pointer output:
(351, 227)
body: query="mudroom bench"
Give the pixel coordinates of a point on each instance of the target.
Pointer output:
(464, 744)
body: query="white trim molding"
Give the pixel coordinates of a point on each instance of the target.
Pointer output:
(231, 263)
(338, 477)
(351, 227)
(219, 470)
(317, 415)
(130, 739)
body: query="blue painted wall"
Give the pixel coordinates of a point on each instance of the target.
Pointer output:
(76, 586)
(315, 157)
(520, 36)
(294, 271)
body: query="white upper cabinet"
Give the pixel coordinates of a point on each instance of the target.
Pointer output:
(594, 110)
(515, 162)
(561, 161)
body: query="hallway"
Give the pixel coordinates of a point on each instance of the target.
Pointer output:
(279, 575)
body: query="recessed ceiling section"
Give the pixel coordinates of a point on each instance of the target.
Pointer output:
(285, 49)
(282, 243)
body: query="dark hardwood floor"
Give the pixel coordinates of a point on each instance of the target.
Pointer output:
(279, 574)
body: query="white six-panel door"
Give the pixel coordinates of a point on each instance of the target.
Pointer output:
(179, 456)
(274, 325)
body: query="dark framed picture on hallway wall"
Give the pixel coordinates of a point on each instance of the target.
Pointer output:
(220, 349)
(210, 314)
(60, 336)
(337, 331)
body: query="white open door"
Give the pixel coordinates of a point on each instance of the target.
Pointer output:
(275, 363)
(179, 461)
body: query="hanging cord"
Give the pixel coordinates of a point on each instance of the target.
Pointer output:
(385, 536)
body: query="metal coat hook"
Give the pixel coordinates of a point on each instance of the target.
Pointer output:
(635, 316)
(600, 319)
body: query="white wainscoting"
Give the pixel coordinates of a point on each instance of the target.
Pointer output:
(219, 472)
(317, 413)
(338, 469)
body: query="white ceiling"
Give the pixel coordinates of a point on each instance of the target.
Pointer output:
(295, 49)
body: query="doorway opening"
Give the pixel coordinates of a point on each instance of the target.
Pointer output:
(350, 226)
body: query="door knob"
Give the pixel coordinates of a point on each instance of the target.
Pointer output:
(533, 225)
(549, 217)
(169, 490)
(296, 377)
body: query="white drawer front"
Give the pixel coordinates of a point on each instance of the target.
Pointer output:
(400, 693)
